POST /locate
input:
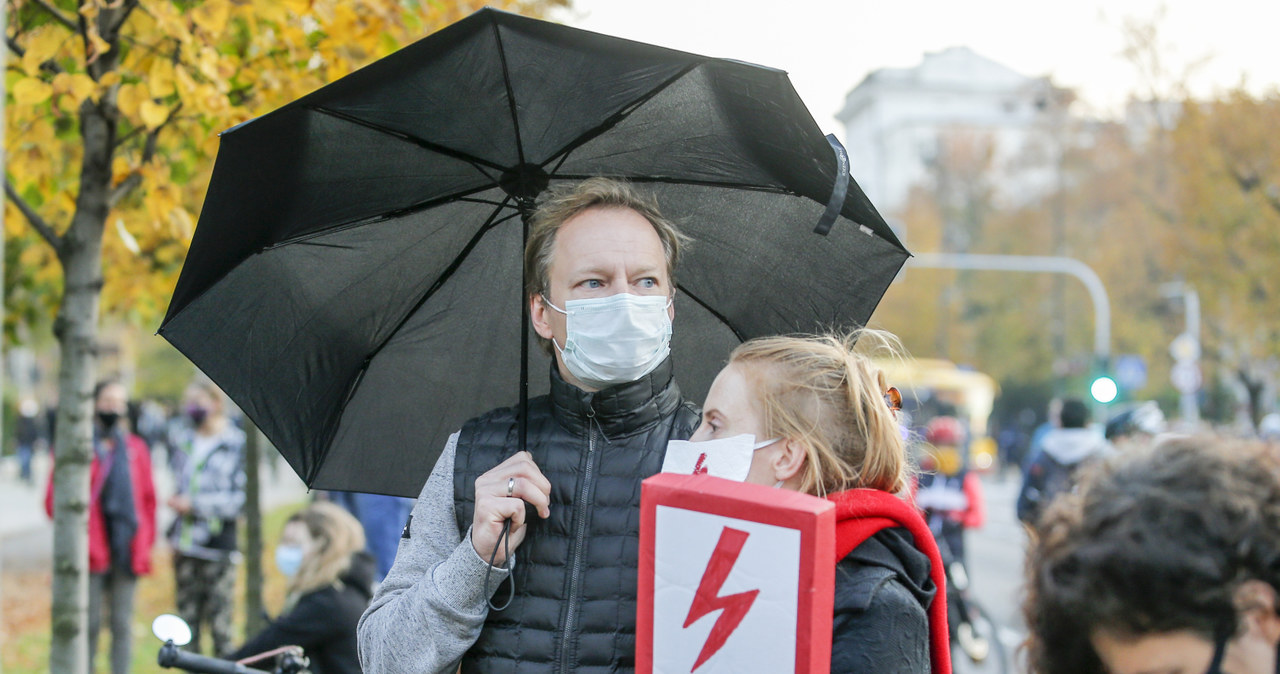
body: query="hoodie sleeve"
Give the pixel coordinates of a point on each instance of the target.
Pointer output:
(430, 608)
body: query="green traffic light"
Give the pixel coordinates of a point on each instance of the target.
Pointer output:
(1104, 389)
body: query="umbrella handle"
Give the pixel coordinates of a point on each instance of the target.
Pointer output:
(504, 538)
(839, 190)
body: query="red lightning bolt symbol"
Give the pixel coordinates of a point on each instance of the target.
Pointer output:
(699, 469)
(707, 598)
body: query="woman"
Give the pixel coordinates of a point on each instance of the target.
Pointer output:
(210, 495)
(1165, 559)
(321, 551)
(827, 429)
(122, 521)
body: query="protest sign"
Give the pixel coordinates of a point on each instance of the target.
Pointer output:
(734, 577)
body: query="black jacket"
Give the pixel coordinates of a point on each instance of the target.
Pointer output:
(323, 623)
(883, 592)
(574, 607)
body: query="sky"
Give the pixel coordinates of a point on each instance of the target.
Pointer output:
(829, 46)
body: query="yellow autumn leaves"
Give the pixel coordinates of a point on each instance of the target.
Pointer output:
(183, 72)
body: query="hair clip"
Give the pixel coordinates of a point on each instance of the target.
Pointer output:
(893, 398)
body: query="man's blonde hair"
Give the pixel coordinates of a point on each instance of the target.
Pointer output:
(335, 536)
(565, 201)
(821, 392)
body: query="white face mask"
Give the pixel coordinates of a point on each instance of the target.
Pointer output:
(729, 458)
(616, 339)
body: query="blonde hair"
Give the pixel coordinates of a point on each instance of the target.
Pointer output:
(821, 392)
(564, 202)
(335, 537)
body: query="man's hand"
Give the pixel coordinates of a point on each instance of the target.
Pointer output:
(500, 495)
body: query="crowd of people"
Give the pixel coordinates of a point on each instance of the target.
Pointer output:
(1146, 555)
(331, 564)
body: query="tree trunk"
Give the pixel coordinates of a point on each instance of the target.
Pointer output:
(255, 619)
(4, 68)
(76, 328)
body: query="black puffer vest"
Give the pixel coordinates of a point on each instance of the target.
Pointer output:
(574, 608)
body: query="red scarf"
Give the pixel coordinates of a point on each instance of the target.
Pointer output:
(860, 513)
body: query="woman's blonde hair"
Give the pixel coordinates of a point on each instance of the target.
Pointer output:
(335, 537)
(827, 394)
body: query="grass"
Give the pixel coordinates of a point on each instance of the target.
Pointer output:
(26, 596)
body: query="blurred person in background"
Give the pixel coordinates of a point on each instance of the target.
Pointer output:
(383, 519)
(1135, 427)
(322, 553)
(1166, 560)
(26, 434)
(208, 501)
(1063, 451)
(1053, 421)
(122, 521)
(946, 490)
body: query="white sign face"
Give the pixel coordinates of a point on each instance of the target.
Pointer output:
(734, 583)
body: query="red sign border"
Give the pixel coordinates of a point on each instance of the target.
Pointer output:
(813, 517)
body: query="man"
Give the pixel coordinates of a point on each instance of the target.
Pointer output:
(1062, 452)
(209, 496)
(1137, 426)
(599, 277)
(122, 522)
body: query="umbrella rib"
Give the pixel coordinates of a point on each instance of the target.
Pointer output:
(613, 119)
(474, 161)
(492, 221)
(718, 316)
(511, 97)
(407, 210)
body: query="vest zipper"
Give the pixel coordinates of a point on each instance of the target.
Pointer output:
(579, 539)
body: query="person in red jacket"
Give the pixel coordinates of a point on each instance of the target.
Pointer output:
(122, 521)
(820, 420)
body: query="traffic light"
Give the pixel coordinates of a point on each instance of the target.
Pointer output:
(1103, 389)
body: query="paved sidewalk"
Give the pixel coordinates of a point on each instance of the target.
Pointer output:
(26, 533)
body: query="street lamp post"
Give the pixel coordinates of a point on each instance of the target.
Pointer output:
(1037, 264)
(1186, 350)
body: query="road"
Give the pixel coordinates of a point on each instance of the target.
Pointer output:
(996, 554)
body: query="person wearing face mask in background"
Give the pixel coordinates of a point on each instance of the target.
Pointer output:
(122, 521)
(815, 416)
(599, 279)
(321, 552)
(208, 500)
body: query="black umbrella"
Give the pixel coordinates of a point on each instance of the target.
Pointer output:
(354, 280)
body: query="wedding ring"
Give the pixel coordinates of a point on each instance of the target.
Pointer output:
(511, 486)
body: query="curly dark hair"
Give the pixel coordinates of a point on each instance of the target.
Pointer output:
(1154, 540)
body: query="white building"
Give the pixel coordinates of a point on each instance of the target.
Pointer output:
(898, 119)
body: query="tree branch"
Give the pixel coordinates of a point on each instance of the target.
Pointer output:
(148, 151)
(42, 228)
(48, 66)
(125, 11)
(58, 16)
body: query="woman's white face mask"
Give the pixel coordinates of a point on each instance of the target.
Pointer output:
(728, 458)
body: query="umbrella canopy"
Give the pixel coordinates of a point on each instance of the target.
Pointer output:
(354, 282)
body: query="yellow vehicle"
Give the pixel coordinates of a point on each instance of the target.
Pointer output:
(930, 386)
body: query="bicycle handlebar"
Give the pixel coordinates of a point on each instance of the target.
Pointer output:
(172, 656)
